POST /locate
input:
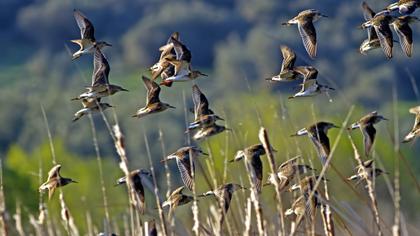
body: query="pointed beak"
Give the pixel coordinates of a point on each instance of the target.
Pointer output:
(383, 118)
(205, 154)
(324, 16)
(233, 160)
(228, 129)
(164, 160)
(74, 181)
(335, 126)
(125, 90)
(293, 135)
(170, 106)
(273, 150)
(108, 44)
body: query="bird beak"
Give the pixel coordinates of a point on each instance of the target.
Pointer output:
(324, 16)
(383, 118)
(290, 97)
(273, 150)
(74, 181)
(233, 160)
(228, 129)
(171, 106)
(220, 118)
(205, 154)
(123, 89)
(335, 126)
(108, 44)
(164, 160)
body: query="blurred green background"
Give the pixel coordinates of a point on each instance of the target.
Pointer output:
(237, 44)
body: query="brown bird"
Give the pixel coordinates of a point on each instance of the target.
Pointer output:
(404, 32)
(183, 161)
(287, 72)
(175, 199)
(405, 7)
(371, 171)
(223, 194)
(167, 52)
(304, 21)
(372, 41)
(90, 106)
(153, 103)
(368, 130)
(380, 22)
(415, 131)
(287, 171)
(318, 134)
(55, 180)
(252, 154)
(203, 115)
(209, 131)
(87, 42)
(301, 207)
(136, 177)
(100, 86)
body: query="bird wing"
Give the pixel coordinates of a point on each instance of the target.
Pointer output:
(51, 188)
(368, 14)
(201, 104)
(258, 170)
(368, 137)
(54, 172)
(385, 38)
(322, 144)
(288, 162)
(153, 90)
(185, 170)
(367, 11)
(86, 27)
(100, 69)
(289, 58)
(181, 51)
(308, 34)
(405, 36)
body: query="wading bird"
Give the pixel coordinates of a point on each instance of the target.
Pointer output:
(87, 42)
(184, 157)
(90, 106)
(55, 180)
(100, 86)
(318, 134)
(380, 22)
(153, 103)
(304, 21)
(136, 178)
(368, 130)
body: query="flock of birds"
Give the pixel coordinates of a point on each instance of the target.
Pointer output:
(174, 65)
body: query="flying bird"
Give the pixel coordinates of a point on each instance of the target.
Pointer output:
(318, 134)
(209, 131)
(287, 72)
(136, 178)
(370, 171)
(100, 86)
(372, 41)
(252, 155)
(167, 52)
(90, 106)
(415, 131)
(55, 180)
(311, 88)
(203, 115)
(405, 7)
(404, 32)
(183, 160)
(153, 103)
(368, 130)
(87, 42)
(175, 199)
(304, 21)
(380, 22)
(224, 194)
(287, 171)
